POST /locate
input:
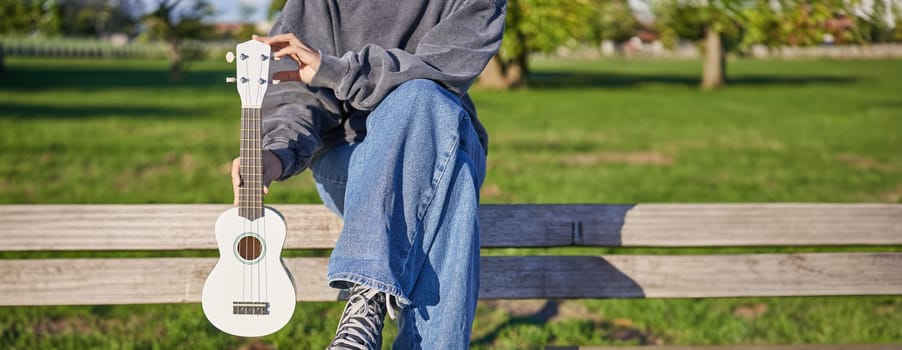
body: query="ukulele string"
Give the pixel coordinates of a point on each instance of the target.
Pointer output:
(259, 153)
(258, 174)
(265, 283)
(244, 189)
(248, 207)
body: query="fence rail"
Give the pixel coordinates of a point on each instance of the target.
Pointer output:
(176, 227)
(32, 280)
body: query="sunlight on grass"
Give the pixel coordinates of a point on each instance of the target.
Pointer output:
(586, 132)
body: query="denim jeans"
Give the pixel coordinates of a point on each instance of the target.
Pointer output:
(409, 197)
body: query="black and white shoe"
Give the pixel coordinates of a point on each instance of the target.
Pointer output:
(361, 322)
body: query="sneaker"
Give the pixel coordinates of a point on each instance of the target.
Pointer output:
(361, 322)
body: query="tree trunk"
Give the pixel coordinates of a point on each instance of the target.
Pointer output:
(499, 75)
(493, 76)
(713, 75)
(175, 61)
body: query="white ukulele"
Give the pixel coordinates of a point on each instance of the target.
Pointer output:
(250, 293)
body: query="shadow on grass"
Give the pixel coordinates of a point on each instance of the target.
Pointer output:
(27, 111)
(574, 79)
(98, 78)
(551, 310)
(89, 78)
(540, 318)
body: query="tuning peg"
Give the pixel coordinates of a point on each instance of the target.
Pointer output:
(231, 80)
(276, 82)
(230, 57)
(263, 57)
(244, 80)
(243, 57)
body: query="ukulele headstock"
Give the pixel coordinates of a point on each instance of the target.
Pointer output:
(252, 72)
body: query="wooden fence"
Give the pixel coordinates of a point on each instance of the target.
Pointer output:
(42, 228)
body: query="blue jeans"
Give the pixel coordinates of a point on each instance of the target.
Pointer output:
(409, 197)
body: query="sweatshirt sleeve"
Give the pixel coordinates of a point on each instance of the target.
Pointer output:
(293, 117)
(452, 53)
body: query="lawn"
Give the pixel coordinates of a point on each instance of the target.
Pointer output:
(611, 131)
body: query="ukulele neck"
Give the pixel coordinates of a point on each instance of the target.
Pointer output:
(250, 194)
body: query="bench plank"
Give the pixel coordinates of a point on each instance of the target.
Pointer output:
(176, 280)
(693, 276)
(179, 227)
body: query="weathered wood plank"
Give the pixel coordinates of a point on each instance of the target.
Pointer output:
(693, 276)
(132, 281)
(177, 227)
(173, 280)
(688, 225)
(145, 227)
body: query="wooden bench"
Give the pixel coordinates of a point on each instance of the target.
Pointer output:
(71, 281)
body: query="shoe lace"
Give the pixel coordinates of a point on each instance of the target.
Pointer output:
(363, 317)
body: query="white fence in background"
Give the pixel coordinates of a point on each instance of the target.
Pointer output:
(687, 50)
(106, 49)
(102, 49)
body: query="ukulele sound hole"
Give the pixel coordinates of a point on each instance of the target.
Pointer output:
(249, 248)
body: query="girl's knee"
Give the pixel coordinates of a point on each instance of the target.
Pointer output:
(418, 103)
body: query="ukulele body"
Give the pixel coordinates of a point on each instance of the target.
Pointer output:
(249, 293)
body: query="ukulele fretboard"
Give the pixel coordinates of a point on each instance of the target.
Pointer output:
(250, 196)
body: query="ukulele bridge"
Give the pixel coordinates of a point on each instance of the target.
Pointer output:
(250, 308)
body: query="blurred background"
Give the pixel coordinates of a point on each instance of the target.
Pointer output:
(588, 101)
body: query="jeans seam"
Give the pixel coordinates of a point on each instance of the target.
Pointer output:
(321, 178)
(333, 180)
(427, 202)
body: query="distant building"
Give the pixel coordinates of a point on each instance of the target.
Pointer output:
(231, 28)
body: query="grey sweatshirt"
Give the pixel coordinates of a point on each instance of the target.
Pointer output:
(368, 48)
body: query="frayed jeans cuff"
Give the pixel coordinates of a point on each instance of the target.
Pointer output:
(346, 280)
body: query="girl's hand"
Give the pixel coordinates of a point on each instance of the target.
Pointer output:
(289, 45)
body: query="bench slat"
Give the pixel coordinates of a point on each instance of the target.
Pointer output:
(175, 280)
(178, 227)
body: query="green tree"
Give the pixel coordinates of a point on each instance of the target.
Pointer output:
(806, 24)
(875, 25)
(713, 23)
(800, 23)
(98, 17)
(723, 25)
(17, 16)
(275, 7)
(615, 21)
(538, 26)
(173, 24)
(30, 16)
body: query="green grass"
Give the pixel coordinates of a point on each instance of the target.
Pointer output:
(585, 132)
(801, 131)
(630, 131)
(80, 132)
